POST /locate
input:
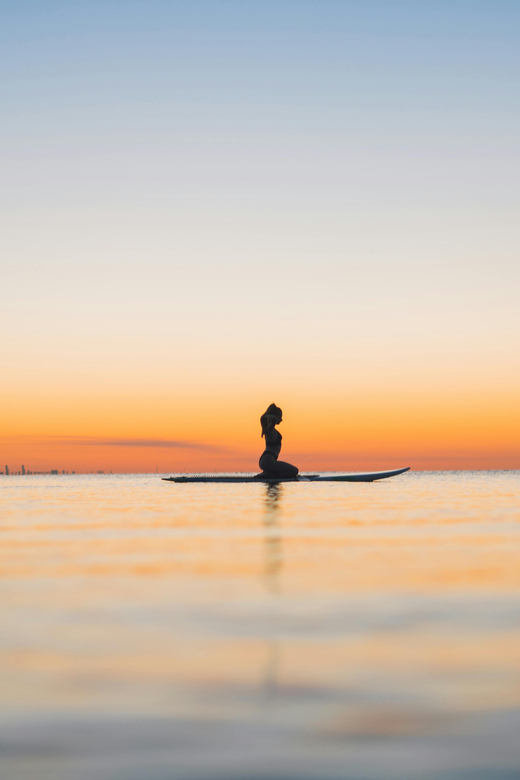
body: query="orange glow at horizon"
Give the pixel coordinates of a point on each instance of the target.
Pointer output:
(132, 434)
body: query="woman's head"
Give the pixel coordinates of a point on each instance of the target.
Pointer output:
(272, 415)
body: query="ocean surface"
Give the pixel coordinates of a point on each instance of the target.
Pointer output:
(155, 631)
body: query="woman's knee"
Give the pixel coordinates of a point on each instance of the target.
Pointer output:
(287, 469)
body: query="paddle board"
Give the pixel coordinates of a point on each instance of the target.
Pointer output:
(356, 476)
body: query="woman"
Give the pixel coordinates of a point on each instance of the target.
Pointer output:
(269, 463)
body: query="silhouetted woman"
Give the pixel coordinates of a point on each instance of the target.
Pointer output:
(269, 463)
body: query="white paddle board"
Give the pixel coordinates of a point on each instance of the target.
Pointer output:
(355, 476)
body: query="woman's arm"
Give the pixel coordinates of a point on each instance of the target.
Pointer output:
(270, 437)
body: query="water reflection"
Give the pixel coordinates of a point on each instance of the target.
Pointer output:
(272, 574)
(273, 540)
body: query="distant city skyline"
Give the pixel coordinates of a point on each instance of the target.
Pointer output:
(28, 472)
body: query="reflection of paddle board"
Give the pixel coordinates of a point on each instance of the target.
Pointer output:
(359, 476)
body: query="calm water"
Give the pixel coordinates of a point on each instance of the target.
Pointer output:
(153, 631)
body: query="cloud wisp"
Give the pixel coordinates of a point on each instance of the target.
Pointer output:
(95, 441)
(166, 443)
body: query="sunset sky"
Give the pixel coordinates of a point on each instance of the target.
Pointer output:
(211, 206)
